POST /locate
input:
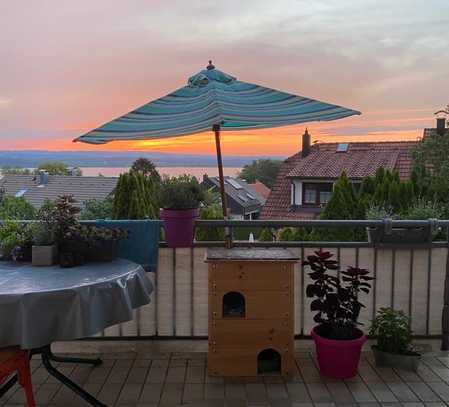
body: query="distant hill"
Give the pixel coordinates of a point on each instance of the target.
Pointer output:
(31, 159)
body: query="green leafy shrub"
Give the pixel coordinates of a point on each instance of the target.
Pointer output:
(375, 212)
(286, 234)
(97, 209)
(12, 207)
(42, 234)
(183, 192)
(266, 235)
(211, 212)
(15, 239)
(393, 331)
(423, 209)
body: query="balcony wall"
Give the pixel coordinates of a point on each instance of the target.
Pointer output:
(411, 279)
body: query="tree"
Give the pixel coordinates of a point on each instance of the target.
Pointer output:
(431, 167)
(55, 168)
(145, 167)
(263, 170)
(343, 204)
(12, 208)
(97, 209)
(135, 197)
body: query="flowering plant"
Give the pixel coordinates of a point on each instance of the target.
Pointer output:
(336, 294)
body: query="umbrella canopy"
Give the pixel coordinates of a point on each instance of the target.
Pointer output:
(214, 100)
(210, 98)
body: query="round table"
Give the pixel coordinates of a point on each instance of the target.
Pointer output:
(41, 305)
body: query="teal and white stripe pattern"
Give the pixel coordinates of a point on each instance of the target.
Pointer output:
(214, 97)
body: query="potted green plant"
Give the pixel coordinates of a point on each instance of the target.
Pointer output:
(402, 236)
(72, 246)
(338, 340)
(15, 242)
(44, 249)
(180, 199)
(394, 340)
(103, 242)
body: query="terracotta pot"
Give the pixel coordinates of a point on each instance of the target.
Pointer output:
(338, 358)
(179, 226)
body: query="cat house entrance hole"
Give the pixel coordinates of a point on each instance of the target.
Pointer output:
(269, 361)
(233, 305)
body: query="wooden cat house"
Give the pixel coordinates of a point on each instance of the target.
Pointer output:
(251, 311)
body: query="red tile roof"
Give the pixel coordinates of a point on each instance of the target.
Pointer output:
(261, 189)
(323, 162)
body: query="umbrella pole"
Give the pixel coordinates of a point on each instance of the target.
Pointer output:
(228, 237)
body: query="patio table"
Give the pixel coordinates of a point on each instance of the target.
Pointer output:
(41, 305)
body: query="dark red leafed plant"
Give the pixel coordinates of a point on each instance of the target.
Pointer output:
(336, 302)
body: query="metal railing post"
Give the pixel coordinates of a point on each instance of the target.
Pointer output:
(445, 316)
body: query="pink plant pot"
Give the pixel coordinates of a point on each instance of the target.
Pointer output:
(338, 358)
(179, 226)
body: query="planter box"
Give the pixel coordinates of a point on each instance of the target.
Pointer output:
(44, 255)
(102, 250)
(406, 362)
(399, 236)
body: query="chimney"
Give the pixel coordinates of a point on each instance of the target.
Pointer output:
(305, 144)
(43, 177)
(441, 126)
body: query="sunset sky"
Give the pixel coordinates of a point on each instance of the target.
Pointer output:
(69, 66)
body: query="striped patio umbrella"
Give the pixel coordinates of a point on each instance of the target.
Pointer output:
(214, 100)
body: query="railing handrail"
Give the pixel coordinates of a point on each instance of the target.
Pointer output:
(323, 223)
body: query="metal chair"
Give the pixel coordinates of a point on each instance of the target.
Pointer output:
(15, 360)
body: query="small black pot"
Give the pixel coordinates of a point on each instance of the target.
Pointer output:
(72, 253)
(102, 250)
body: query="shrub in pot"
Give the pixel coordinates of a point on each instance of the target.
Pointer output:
(420, 210)
(394, 340)
(44, 249)
(102, 242)
(180, 199)
(72, 246)
(338, 340)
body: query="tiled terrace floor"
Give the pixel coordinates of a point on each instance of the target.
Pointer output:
(172, 379)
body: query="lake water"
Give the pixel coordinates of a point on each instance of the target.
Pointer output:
(172, 171)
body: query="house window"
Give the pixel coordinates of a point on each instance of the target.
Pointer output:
(325, 196)
(310, 193)
(316, 193)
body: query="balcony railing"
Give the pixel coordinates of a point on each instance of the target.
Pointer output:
(411, 277)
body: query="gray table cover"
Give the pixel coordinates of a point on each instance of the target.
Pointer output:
(40, 305)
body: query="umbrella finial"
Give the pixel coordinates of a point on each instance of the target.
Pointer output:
(210, 66)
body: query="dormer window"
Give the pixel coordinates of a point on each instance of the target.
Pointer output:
(316, 193)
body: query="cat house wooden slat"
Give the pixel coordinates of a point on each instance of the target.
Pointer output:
(251, 311)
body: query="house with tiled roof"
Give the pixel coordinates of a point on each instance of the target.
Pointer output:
(305, 181)
(36, 189)
(244, 201)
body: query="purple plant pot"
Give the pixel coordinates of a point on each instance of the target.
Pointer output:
(338, 358)
(179, 226)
